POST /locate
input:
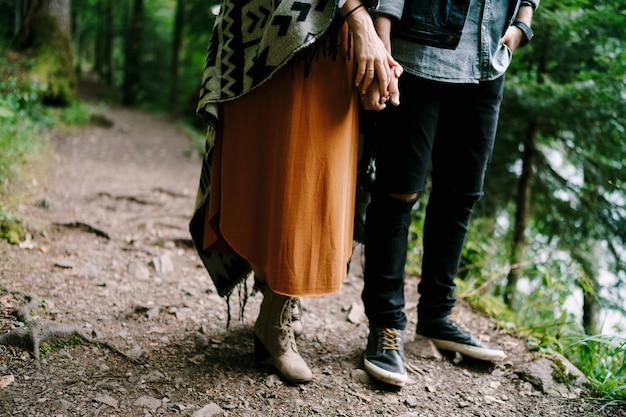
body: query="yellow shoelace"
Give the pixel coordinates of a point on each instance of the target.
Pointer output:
(391, 339)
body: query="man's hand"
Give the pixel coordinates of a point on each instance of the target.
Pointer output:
(512, 38)
(373, 100)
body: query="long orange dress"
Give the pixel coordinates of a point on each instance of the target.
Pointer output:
(283, 176)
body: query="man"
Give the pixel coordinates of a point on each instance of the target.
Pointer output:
(454, 54)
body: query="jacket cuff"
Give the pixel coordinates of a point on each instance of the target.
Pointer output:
(391, 8)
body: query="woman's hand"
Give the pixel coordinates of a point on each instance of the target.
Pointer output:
(373, 59)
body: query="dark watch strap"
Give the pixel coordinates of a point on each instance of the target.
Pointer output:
(526, 30)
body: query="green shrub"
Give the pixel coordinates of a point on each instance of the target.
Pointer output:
(23, 118)
(23, 115)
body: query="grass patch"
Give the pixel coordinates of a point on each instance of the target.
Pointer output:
(602, 359)
(48, 348)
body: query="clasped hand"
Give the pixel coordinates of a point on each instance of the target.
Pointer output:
(377, 71)
(376, 98)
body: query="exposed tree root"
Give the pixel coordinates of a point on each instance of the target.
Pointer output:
(130, 198)
(37, 331)
(84, 227)
(169, 192)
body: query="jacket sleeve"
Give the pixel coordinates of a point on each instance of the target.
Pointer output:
(392, 8)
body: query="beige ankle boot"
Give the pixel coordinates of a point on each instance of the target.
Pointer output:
(296, 309)
(274, 336)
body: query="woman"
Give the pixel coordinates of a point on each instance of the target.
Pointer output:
(278, 180)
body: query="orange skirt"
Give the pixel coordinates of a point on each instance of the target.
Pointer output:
(283, 176)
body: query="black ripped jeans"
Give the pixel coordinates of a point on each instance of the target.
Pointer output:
(447, 130)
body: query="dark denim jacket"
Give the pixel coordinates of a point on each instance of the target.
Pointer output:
(436, 23)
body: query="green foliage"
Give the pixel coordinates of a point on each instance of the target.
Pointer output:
(198, 20)
(570, 86)
(11, 229)
(156, 71)
(75, 114)
(21, 113)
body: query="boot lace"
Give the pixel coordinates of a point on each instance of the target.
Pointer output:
(286, 317)
(390, 339)
(296, 308)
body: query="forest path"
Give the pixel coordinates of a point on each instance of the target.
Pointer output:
(111, 253)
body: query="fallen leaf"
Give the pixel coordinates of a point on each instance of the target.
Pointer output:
(6, 380)
(198, 359)
(363, 397)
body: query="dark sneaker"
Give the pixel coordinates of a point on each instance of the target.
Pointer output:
(384, 356)
(446, 334)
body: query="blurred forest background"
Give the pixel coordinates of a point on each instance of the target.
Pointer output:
(546, 252)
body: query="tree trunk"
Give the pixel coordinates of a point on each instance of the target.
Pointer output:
(24, 37)
(176, 52)
(108, 34)
(524, 192)
(46, 30)
(518, 241)
(61, 10)
(103, 65)
(588, 255)
(21, 8)
(76, 41)
(591, 301)
(132, 66)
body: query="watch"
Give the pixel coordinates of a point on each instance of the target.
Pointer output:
(526, 31)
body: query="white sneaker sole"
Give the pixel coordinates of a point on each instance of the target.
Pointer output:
(384, 375)
(485, 354)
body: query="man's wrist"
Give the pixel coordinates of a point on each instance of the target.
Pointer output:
(527, 32)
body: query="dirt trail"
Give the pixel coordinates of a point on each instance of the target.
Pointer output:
(111, 254)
